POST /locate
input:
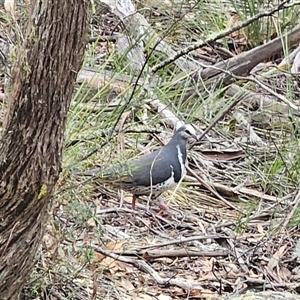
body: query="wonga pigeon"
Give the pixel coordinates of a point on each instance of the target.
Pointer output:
(153, 173)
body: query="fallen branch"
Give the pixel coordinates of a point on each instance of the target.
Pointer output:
(153, 254)
(184, 240)
(144, 267)
(243, 63)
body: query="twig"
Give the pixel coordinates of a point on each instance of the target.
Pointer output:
(215, 193)
(220, 35)
(143, 266)
(292, 212)
(184, 240)
(152, 254)
(116, 210)
(217, 119)
(255, 80)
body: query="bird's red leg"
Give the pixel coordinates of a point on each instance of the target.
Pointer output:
(133, 202)
(160, 203)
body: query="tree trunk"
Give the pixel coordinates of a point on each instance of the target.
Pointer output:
(43, 78)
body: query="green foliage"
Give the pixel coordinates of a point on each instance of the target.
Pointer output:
(295, 220)
(265, 28)
(36, 285)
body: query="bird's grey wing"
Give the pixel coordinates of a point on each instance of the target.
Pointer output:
(153, 168)
(150, 169)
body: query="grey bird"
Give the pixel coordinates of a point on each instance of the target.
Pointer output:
(153, 173)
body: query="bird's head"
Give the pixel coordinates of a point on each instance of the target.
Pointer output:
(186, 132)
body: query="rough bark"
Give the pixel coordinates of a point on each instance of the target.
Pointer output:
(43, 78)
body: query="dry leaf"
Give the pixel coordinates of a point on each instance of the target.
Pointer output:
(115, 245)
(50, 243)
(127, 268)
(91, 222)
(98, 256)
(126, 284)
(276, 258)
(128, 198)
(260, 228)
(231, 267)
(196, 294)
(223, 155)
(257, 194)
(285, 274)
(109, 264)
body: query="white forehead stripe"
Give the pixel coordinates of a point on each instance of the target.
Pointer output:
(191, 129)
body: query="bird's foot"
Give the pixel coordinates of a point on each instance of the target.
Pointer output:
(161, 204)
